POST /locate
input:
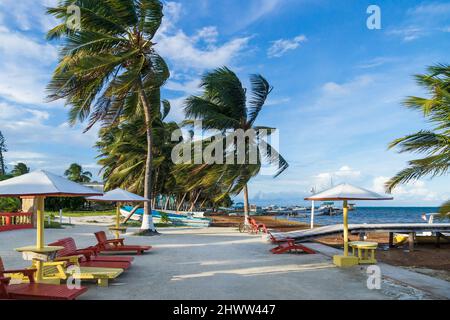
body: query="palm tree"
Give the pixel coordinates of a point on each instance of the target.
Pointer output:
(3, 149)
(434, 143)
(20, 169)
(109, 70)
(223, 106)
(123, 149)
(75, 173)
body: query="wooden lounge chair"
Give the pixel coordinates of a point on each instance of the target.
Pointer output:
(257, 228)
(32, 290)
(88, 257)
(60, 270)
(117, 245)
(288, 245)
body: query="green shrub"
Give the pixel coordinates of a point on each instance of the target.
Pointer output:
(9, 204)
(165, 218)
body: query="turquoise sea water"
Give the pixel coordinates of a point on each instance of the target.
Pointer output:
(376, 215)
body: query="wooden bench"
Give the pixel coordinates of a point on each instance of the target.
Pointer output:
(365, 251)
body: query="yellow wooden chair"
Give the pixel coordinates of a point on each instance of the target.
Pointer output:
(59, 270)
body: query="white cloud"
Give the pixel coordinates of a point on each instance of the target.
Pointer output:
(181, 49)
(207, 34)
(189, 87)
(375, 62)
(260, 9)
(408, 33)
(415, 191)
(347, 172)
(430, 9)
(197, 52)
(281, 46)
(276, 102)
(343, 174)
(333, 88)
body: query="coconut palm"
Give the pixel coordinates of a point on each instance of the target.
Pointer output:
(123, 151)
(75, 173)
(109, 70)
(3, 149)
(435, 142)
(20, 169)
(223, 106)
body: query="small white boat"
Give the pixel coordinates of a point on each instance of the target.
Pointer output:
(176, 219)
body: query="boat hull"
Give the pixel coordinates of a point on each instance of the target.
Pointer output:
(176, 219)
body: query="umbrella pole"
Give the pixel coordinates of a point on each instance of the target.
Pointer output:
(345, 214)
(117, 219)
(39, 234)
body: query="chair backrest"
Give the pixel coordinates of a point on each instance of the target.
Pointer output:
(101, 237)
(69, 247)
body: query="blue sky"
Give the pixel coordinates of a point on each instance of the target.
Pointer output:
(337, 97)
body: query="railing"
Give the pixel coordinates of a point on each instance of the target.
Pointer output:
(15, 221)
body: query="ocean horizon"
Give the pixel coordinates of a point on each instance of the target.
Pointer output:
(375, 215)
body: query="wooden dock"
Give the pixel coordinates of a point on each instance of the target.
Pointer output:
(361, 229)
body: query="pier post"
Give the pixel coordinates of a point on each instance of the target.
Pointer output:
(411, 241)
(391, 240)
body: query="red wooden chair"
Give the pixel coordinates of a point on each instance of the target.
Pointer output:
(33, 290)
(288, 245)
(117, 245)
(256, 228)
(88, 257)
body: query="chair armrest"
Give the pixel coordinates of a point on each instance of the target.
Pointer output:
(120, 240)
(87, 253)
(68, 259)
(115, 241)
(4, 280)
(26, 272)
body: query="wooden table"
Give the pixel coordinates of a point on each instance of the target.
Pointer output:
(38, 256)
(365, 249)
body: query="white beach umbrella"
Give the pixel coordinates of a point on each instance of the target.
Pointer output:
(43, 184)
(118, 196)
(345, 192)
(39, 185)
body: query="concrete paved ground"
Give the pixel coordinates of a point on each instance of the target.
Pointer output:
(216, 263)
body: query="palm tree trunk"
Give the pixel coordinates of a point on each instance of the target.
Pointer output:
(147, 219)
(195, 201)
(181, 202)
(167, 202)
(246, 205)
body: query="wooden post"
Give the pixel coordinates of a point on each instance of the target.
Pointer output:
(411, 241)
(345, 213)
(438, 239)
(312, 214)
(117, 220)
(39, 233)
(391, 240)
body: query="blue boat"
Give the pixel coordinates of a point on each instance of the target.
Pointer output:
(176, 219)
